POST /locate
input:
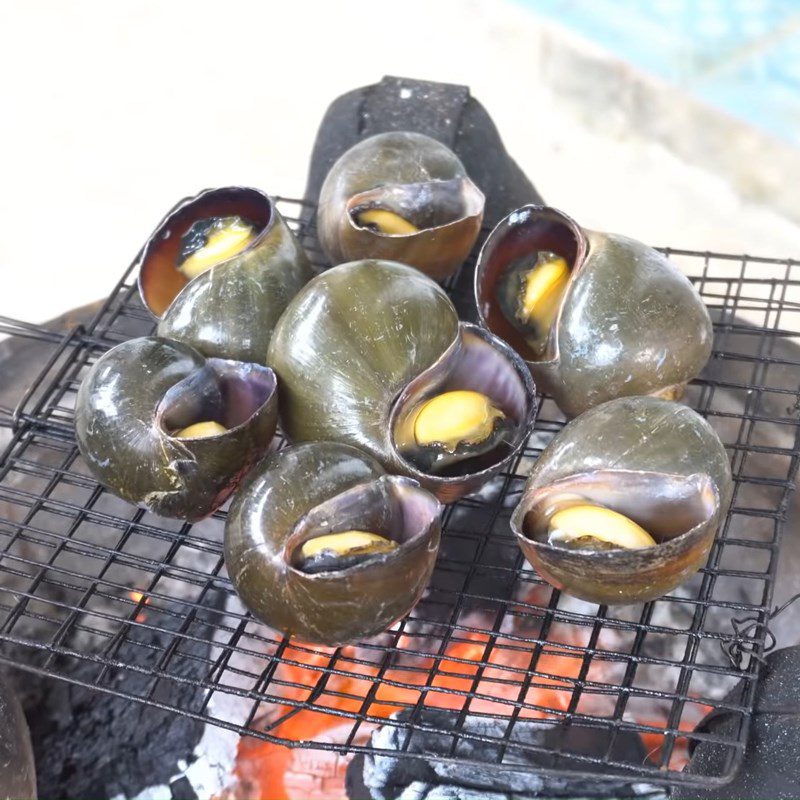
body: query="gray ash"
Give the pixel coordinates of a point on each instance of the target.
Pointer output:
(494, 774)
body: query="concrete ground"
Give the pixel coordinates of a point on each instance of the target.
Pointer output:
(112, 111)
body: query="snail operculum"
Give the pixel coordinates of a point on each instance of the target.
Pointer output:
(530, 293)
(333, 552)
(212, 240)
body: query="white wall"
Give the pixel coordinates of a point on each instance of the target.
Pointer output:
(111, 111)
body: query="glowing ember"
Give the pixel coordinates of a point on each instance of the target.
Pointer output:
(140, 599)
(477, 672)
(653, 742)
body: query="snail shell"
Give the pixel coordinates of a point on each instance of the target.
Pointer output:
(363, 346)
(414, 177)
(322, 488)
(658, 463)
(230, 310)
(141, 393)
(628, 323)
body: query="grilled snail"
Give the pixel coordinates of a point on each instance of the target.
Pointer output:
(624, 503)
(403, 197)
(372, 354)
(166, 428)
(322, 544)
(219, 270)
(596, 315)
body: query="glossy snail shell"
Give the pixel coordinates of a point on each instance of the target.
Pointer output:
(328, 487)
(364, 343)
(629, 322)
(657, 462)
(229, 311)
(414, 176)
(140, 392)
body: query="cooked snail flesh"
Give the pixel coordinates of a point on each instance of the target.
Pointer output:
(212, 240)
(381, 220)
(333, 552)
(201, 430)
(530, 293)
(454, 426)
(587, 526)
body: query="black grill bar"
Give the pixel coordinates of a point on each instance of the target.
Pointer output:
(91, 582)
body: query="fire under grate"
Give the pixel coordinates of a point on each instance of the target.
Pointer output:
(493, 667)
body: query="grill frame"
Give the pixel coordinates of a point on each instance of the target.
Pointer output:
(755, 287)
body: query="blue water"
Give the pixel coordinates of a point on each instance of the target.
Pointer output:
(742, 56)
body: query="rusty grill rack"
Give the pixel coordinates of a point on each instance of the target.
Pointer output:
(100, 593)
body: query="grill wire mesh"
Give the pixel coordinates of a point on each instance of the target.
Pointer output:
(100, 593)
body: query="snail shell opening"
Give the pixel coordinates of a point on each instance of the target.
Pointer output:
(510, 249)
(226, 392)
(160, 281)
(666, 506)
(426, 206)
(392, 507)
(681, 513)
(474, 363)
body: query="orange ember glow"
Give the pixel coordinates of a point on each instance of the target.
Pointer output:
(476, 673)
(140, 600)
(273, 772)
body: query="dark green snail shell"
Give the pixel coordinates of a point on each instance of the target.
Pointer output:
(657, 462)
(329, 487)
(630, 323)
(140, 392)
(365, 343)
(231, 310)
(417, 178)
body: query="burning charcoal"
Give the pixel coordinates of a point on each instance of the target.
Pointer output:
(95, 746)
(387, 777)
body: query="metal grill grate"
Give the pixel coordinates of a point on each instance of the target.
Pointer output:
(101, 593)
